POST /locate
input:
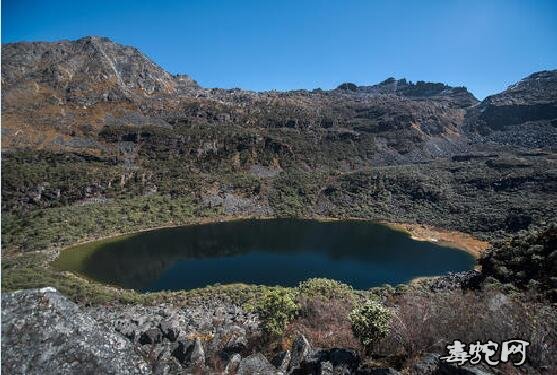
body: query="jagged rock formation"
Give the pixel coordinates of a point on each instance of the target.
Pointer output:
(457, 96)
(45, 333)
(59, 96)
(66, 95)
(87, 71)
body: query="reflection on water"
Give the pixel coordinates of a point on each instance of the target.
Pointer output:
(267, 252)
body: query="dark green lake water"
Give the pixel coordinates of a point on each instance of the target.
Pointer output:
(267, 252)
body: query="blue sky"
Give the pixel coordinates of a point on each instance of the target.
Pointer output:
(263, 45)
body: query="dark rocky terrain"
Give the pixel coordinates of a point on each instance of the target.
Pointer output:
(97, 139)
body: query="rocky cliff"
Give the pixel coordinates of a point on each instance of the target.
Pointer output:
(60, 95)
(524, 115)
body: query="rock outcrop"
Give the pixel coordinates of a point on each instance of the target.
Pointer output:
(45, 333)
(457, 96)
(68, 91)
(525, 114)
(86, 71)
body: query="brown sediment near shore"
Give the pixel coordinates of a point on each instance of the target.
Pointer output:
(459, 240)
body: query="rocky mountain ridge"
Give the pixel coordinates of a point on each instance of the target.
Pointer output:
(60, 95)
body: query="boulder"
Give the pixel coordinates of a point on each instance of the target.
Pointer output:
(427, 364)
(282, 360)
(45, 333)
(343, 361)
(234, 340)
(198, 354)
(233, 364)
(170, 329)
(299, 352)
(326, 368)
(256, 364)
(183, 351)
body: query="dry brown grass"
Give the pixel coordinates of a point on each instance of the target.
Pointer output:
(324, 322)
(426, 323)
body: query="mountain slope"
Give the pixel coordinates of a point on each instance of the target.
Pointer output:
(63, 96)
(85, 71)
(60, 96)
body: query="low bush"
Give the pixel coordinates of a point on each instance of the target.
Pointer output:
(276, 308)
(326, 288)
(370, 323)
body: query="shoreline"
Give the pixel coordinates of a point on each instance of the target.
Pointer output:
(417, 232)
(458, 240)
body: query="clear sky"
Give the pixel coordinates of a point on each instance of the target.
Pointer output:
(288, 44)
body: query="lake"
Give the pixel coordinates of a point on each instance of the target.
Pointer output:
(266, 252)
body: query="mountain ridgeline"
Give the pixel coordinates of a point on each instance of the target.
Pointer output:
(92, 121)
(60, 96)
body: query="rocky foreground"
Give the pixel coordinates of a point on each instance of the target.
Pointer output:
(45, 333)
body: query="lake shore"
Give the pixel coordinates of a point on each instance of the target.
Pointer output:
(459, 240)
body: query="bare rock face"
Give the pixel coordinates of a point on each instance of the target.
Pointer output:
(256, 364)
(525, 114)
(64, 95)
(88, 70)
(45, 333)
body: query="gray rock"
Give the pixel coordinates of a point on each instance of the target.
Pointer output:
(256, 364)
(198, 354)
(453, 369)
(427, 364)
(183, 351)
(170, 329)
(326, 368)
(299, 352)
(234, 340)
(344, 361)
(282, 360)
(45, 333)
(233, 364)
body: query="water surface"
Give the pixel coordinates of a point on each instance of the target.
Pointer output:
(267, 252)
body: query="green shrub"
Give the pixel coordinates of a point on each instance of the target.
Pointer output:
(370, 322)
(276, 308)
(327, 288)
